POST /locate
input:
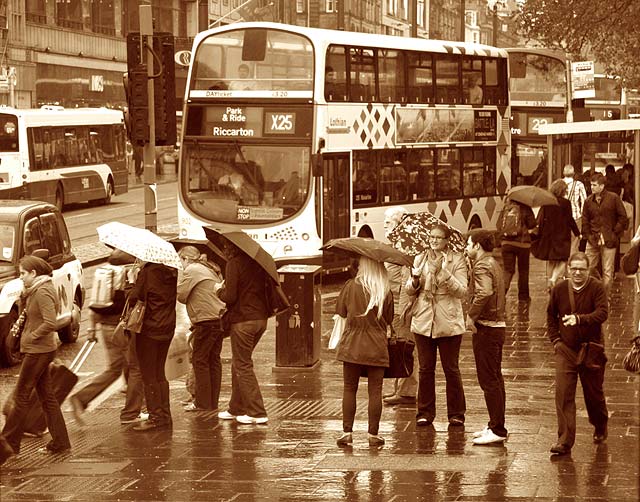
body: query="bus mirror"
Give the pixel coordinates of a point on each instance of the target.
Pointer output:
(254, 46)
(316, 164)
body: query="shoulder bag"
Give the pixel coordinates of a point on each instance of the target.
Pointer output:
(631, 361)
(591, 354)
(133, 317)
(400, 356)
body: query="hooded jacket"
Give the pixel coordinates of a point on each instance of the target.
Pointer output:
(39, 334)
(196, 290)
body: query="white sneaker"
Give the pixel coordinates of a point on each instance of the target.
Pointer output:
(482, 432)
(246, 419)
(225, 415)
(489, 437)
(142, 417)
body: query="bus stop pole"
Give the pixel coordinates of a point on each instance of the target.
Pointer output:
(150, 187)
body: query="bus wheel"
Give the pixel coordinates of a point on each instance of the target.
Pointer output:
(110, 191)
(9, 346)
(59, 202)
(69, 334)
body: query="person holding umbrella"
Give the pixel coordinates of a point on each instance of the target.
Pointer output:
(155, 285)
(367, 305)
(439, 283)
(243, 292)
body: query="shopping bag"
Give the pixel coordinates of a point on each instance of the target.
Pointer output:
(339, 323)
(177, 363)
(631, 361)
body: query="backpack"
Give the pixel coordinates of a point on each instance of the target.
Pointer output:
(510, 221)
(276, 301)
(107, 279)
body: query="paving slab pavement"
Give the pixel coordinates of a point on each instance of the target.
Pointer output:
(294, 457)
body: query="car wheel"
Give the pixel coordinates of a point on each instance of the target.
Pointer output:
(10, 346)
(59, 201)
(69, 334)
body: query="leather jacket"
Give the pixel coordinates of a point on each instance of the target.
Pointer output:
(487, 294)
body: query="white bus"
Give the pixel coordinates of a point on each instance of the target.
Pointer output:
(299, 135)
(62, 156)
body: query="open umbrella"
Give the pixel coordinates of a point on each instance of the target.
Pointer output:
(532, 196)
(411, 235)
(371, 248)
(247, 245)
(139, 242)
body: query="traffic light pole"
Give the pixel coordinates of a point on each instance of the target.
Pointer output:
(149, 176)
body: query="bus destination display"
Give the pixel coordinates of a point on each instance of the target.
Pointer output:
(254, 122)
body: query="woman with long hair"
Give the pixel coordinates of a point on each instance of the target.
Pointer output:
(439, 284)
(555, 224)
(38, 344)
(367, 305)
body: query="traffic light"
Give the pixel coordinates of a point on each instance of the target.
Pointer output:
(135, 85)
(164, 89)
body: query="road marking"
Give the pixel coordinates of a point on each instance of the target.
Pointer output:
(76, 215)
(119, 208)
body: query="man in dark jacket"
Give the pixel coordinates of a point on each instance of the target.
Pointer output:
(577, 308)
(516, 248)
(604, 219)
(486, 320)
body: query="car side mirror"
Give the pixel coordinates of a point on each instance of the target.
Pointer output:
(41, 253)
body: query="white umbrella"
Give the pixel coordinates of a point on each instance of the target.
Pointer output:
(139, 242)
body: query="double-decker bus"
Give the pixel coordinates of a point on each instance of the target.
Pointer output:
(299, 135)
(62, 156)
(538, 96)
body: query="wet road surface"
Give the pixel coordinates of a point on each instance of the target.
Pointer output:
(295, 458)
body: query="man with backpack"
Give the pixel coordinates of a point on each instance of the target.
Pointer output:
(515, 224)
(107, 304)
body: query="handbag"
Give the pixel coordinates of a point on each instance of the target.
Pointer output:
(339, 324)
(18, 326)
(631, 361)
(400, 356)
(135, 317)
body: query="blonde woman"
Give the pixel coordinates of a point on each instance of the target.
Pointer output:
(367, 305)
(197, 285)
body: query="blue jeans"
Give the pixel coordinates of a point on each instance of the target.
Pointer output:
(34, 373)
(120, 352)
(449, 348)
(207, 368)
(608, 258)
(487, 351)
(246, 398)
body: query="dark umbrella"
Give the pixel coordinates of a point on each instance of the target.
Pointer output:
(371, 248)
(532, 196)
(412, 234)
(247, 245)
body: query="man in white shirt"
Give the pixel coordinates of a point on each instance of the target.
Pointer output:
(576, 194)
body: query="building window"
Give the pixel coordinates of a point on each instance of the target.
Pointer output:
(331, 6)
(69, 14)
(36, 11)
(103, 18)
(300, 4)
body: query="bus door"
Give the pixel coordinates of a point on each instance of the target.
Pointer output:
(335, 204)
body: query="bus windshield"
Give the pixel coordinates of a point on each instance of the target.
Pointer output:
(8, 133)
(536, 77)
(254, 60)
(233, 183)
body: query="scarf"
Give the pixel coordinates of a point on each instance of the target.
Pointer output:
(37, 282)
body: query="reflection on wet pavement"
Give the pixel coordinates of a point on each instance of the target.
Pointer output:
(294, 457)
